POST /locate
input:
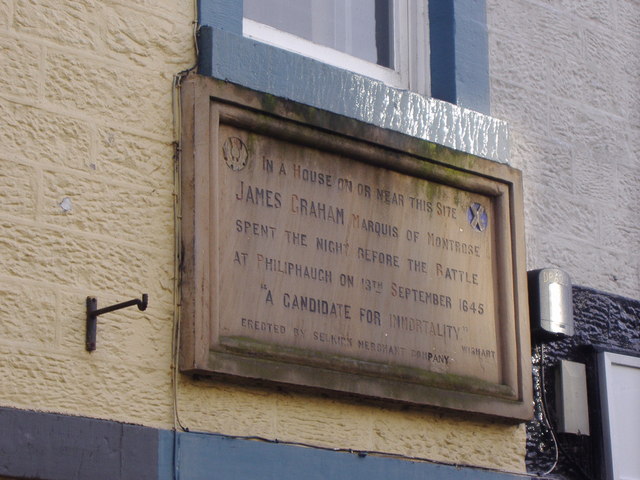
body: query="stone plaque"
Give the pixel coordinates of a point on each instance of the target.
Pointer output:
(325, 253)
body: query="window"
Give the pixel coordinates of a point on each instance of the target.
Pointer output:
(382, 39)
(620, 398)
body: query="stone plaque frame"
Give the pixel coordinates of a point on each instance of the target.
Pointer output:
(207, 107)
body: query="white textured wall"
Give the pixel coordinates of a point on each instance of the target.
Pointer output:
(565, 75)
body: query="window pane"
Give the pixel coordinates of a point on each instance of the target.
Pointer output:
(362, 28)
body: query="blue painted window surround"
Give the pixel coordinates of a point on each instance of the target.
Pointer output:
(455, 116)
(458, 41)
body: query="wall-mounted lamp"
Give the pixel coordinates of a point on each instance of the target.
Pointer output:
(550, 303)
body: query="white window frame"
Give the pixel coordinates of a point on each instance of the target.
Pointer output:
(411, 48)
(617, 448)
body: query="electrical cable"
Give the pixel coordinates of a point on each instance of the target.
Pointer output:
(177, 258)
(545, 413)
(176, 108)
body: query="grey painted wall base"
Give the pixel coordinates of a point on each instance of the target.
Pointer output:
(62, 447)
(51, 446)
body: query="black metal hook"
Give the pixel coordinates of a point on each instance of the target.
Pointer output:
(93, 312)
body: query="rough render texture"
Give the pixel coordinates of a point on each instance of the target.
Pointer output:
(565, 75)
(600, 320)
(86, 202)
(86, 115)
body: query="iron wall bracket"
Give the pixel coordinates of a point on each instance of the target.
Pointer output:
(93, 313)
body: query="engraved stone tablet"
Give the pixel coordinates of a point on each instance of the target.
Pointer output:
(326, 253)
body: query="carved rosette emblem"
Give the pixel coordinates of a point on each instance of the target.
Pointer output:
(235, 153)
(478, 217)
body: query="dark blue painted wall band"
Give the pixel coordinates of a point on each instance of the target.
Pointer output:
(603, 322)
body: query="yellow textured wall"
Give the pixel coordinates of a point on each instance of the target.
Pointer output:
(85, 115)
